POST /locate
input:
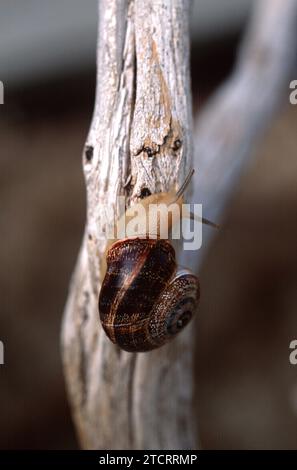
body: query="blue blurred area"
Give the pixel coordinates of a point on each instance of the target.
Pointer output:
(41, 38)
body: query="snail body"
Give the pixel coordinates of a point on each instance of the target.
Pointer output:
(146, 299)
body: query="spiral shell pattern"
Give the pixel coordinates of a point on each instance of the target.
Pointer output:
(145, 299)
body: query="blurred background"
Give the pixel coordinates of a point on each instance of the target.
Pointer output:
(246, 387)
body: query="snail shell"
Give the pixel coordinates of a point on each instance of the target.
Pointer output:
(145, 299)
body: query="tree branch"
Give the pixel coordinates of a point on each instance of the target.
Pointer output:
(236, 116)
(119, 399)
(143, 102)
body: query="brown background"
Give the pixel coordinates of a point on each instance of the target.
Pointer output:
(246, 388)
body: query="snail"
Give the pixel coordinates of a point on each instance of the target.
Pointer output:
(146, 299)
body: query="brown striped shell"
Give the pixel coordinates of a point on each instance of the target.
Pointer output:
(145, 299)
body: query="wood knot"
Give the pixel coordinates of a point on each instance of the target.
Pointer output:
(145, 192)
(177, 144)
(89, 151)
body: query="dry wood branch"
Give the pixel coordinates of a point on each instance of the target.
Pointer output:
(123, 400)
(237, 115)
(143, 102)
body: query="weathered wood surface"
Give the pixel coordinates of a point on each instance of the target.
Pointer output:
(143, 101)
(143, 105)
